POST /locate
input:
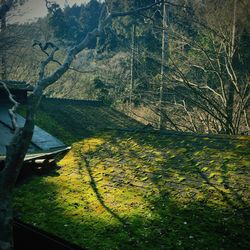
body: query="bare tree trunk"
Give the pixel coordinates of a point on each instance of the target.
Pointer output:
(16, 152)
(231, 88)
(230, 109)
(246, 119)
(164, 26)
(233, 28)
(132, 66)
(13, 163)
(3, 52)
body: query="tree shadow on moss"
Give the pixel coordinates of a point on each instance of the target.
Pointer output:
(173, 217)
(98, 194)
(171, 226)
(189, 164)
(198, 152)
(36, 204)
(198, 226)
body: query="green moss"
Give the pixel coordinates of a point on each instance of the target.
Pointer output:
(124, 190)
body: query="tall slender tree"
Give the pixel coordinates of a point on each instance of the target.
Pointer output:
(132, 65)
(163, 52)
(3, 52)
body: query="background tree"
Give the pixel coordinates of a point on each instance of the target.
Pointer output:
(207, 72)
(200, 95)
(8, 39)
(191, 27)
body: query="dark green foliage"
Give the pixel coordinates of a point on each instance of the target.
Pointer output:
(103, 91)
(73, 23)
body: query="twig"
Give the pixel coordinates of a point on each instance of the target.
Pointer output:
(12, 111)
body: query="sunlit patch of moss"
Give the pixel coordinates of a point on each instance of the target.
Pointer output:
(91, 144)
(69, 159)
(124, 190)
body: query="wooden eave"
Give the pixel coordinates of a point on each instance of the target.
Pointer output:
(50, 154)
(16, 85)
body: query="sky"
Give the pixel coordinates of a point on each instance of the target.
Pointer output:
(33, 9)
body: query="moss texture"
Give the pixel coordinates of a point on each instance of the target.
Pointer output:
(124, 190)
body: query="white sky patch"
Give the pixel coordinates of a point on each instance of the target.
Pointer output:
(34, 9)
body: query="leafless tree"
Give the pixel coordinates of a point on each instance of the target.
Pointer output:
(216, 89)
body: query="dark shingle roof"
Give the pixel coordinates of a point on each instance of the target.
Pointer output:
(42, 142)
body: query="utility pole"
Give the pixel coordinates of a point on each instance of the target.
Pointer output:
(132, 66)
(233, 28)
(66, 3)
(163, 43)
(3, 52)
(231, 88)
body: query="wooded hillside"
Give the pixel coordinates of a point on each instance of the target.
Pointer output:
(181, 66)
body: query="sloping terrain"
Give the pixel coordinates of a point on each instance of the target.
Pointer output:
(72, 120)
(138, 190)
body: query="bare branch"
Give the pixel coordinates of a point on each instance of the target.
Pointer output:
(12, 111)
(189, 115)
(246, 119)
(214, 105)
(50, 55)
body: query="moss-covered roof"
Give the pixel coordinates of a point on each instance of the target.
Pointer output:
(73, 120)
(124, 190)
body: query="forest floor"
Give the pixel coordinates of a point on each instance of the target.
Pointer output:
(145, 190)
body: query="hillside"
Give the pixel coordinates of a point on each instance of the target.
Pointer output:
(138, 190)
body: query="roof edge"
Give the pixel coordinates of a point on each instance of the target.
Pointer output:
(42, 154)
(18, 85)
